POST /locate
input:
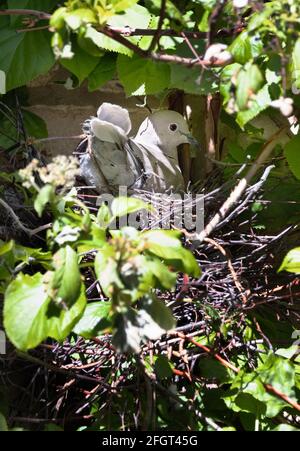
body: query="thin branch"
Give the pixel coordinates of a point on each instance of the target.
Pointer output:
(240, 188)
(157, 34)
(25, 12)
(21, 226)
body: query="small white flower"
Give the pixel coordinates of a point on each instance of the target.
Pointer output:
(240, 3)
(285, 105)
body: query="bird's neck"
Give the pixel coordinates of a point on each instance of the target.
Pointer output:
(158, 149)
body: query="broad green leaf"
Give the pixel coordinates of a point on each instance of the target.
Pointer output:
(154, 318)
(292, 154)
(60, 321)
(25, 308)
(104, 216)
(291, 262)
(94, 320)
(140, 76)
(241, 48)
(106, 269)
(80, 16)
(165, 278)
(212, 369)
(249, 81)
(103, 73)
(123, 206)
(35, 126)
(260, 103)
(57, 20)
(45, 196)
(135, 17)
(123, 5)
(163, 367)
(81, 65)
(193, 80)
(65, 284)
(24, 56)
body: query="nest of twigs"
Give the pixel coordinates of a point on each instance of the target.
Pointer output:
(239, 281)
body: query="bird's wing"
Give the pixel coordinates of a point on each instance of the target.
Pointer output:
(116, 115)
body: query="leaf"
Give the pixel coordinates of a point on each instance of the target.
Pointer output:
(60, 322)
(241, 48)
(45, 196)
(291, 262)
(163, 367)
(104, 72)
(193, 80)
(107, 270)
(212, 369)
(135, 17)
(39, 5)
(78, 17)
(24, 56)
(292, 154)
(154, 318)
(25, 307)
(94, 320)
(65, 284)
(81, 65)
(249, 81)
(34, 125)
(3, 424)
(122, 5)
(140, 76)
(165, 278)
(122, 206)
(261, 102)
(163, 244)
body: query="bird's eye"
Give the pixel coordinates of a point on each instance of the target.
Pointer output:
(173, 127)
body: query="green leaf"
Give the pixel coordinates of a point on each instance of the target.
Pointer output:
(106, 269)
(25, 307)
(212, 369)
(65, 284)
(78, 17)
(292, 154)
(81, 65)
(241, 48)
(192, 80)
(104, 216)
(94, 320)
(249, 81)
(165, 278)
(3, 424)
(140, 76)
(122, 206)
(261, 102)
(24, 56)
(291, 262)
(122, 5)
(60, 322)
(45, 196)
(164, 245)
(163, 367)
(34, 125)
(135, 17)
(103, 73)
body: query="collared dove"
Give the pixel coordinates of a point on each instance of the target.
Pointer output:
(149, 161)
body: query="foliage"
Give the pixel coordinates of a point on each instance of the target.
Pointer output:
(250, 54)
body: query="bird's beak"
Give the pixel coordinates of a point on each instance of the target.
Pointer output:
(191, 140)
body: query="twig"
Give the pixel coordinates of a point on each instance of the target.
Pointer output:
(25, 12)
(21, 226)
(240, 188)
(157, 33)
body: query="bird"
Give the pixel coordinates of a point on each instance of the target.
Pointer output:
(148, 161)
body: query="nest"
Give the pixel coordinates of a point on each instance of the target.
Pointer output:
(238, 282)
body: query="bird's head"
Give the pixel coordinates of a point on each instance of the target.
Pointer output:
(166, 129)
